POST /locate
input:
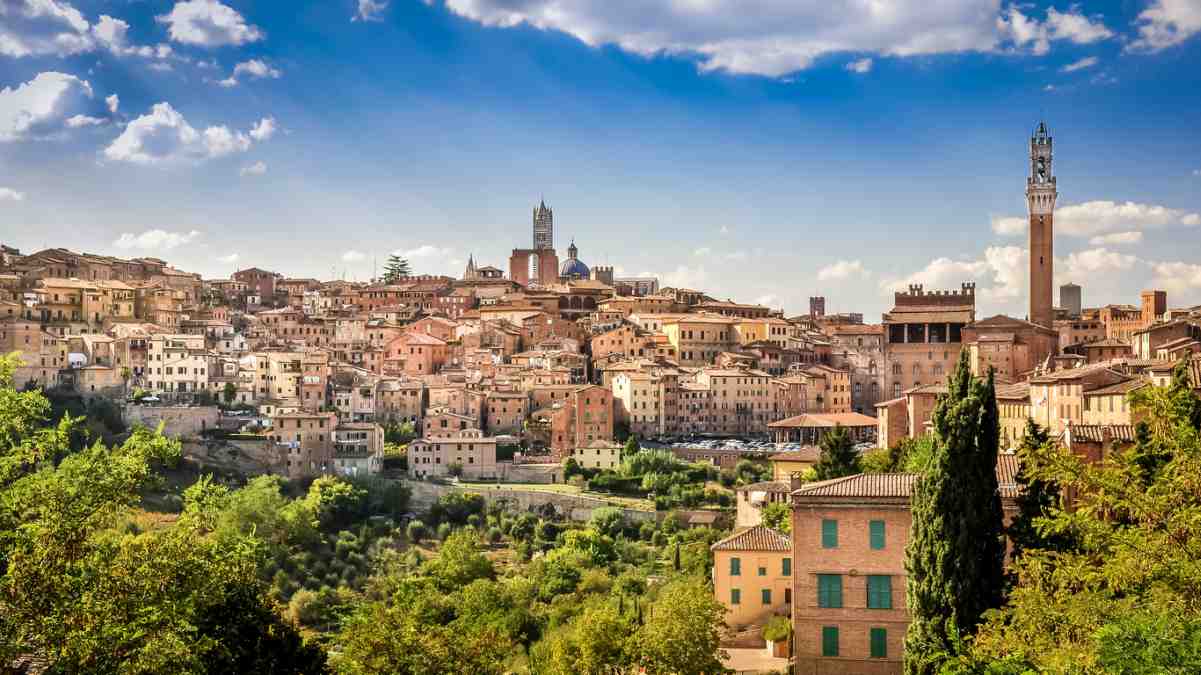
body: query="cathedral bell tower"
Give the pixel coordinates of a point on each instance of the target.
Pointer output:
(1040, 199)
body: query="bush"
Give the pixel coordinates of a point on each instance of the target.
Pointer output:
(455, 507)
(777, 629)
(416, 531)
(444, 531)
(494, 535)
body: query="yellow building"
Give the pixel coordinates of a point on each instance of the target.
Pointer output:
(784, 464)
(752, 575)
(698, 338)
(598, 455)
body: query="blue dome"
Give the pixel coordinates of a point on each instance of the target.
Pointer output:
(572, 267)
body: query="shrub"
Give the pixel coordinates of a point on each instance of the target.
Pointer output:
(494, 535)
(416, 531)
(777, 629)
(444, 531)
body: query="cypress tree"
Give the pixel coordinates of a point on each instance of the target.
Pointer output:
(1035, 497)
(838, 457)
(955, 558)
(676, 558)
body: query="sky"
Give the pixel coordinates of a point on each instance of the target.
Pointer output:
(762, 150)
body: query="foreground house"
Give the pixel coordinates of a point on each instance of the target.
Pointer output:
(752, 575)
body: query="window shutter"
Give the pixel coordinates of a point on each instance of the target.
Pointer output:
(879, 643)
(877, 534)
(829, 534)
(829, 640)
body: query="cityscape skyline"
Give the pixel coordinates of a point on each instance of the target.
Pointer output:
(703, 159)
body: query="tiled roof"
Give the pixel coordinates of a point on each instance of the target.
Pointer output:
(825, 420)
(758, 538)
(928, 389)
(1095, 433)
(1118, 388)
(809, 453)
(878, 485)
(1007, 471)
(766, 486)
(1011, 391)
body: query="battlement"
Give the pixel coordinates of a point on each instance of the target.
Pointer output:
(918, 296)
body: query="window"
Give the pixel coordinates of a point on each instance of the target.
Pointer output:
(766, 594)
(829, 534)
(735, 567)
(876, 534)
(735, 596)
(829, 640)
(787, 596)
(762, 571)
(787, 567)
(879, 591)
(879, 643)
(829, 591)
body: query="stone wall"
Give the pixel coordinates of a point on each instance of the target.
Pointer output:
(576, 507)
(248, 457)
(180, 421)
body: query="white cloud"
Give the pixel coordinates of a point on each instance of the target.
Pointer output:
(155, 240)
(1084, 264)
(1177, 276)
(1028, 32)
(11, 195)
(843, 270)
(776, 37)
(681, 277)
(208, 23)
(44, 106)
(1167, 23)
(1197, 172)
(253, 69)
(861, 66)
(164, 136)
(1097, 217)
(257, 169)
(354, 256)
(42, 27)
(1117, 238)
(231, 258)
(1008, 226)
(112, 102)
(77, 121)
(370, 10)
(1049, 87)
(1000, 276)
(1086, 62)
(423, 251)
(264, 130)
(767, 300)
(732, 256)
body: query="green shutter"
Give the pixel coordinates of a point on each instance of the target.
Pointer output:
(877, 534)
(787, 567)
(766, 593)
(879, 643)
(879, 592)
(829, 534)
(735, 567)
(829, 640)
(735, 596)
(829, 591)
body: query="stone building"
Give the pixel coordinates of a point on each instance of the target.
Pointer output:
(924, 334)
(1012, 347)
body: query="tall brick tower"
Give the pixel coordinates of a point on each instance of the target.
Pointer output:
(1040, 198)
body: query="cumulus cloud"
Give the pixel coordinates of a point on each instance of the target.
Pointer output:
(860, 66)
(354, 256)
(769, 299)
(1086, 62)
(46, 105)
(164, 136)
(1027, 32)
(208, 23)
(1117, 238)
(231, 258)
(1177, 276)
(112, 102)
(843, 270)
(264, 130)
(253, 69)
(1166, 23)
(1000, 276)
(775, 37)
(732, 256)
(370, 10)
(1098, 217)
(42, 27)
(112, 34)
(682, 276)
(155, 240)
(11, 195)
(424, 251)
(257, 169)
(1097, 261)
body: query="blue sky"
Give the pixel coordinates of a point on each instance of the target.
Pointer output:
(764, 150)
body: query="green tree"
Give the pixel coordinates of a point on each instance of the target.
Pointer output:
(1124, 598)
(229, 393)
(416, 531)
(608, 520)
(1036, 498)
(459, 562)
(596, 643)
(777, 516)
(631, 447)
(682, 633)
(395, 269)
(956, 552)
(838, 456)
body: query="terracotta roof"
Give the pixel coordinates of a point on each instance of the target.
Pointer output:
(872, 485)
(1118, 388)
(1007, 471)
(857, 329)
(1107, 342)
(809, 453)
(825, 420)
(928, 389)
(1012, 391)
(757, 538)
(1095, 433)
(766, 486)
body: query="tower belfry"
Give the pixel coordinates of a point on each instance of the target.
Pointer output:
(544, 230)
(1041, 193)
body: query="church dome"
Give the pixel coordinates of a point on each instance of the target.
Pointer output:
(573, 267)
